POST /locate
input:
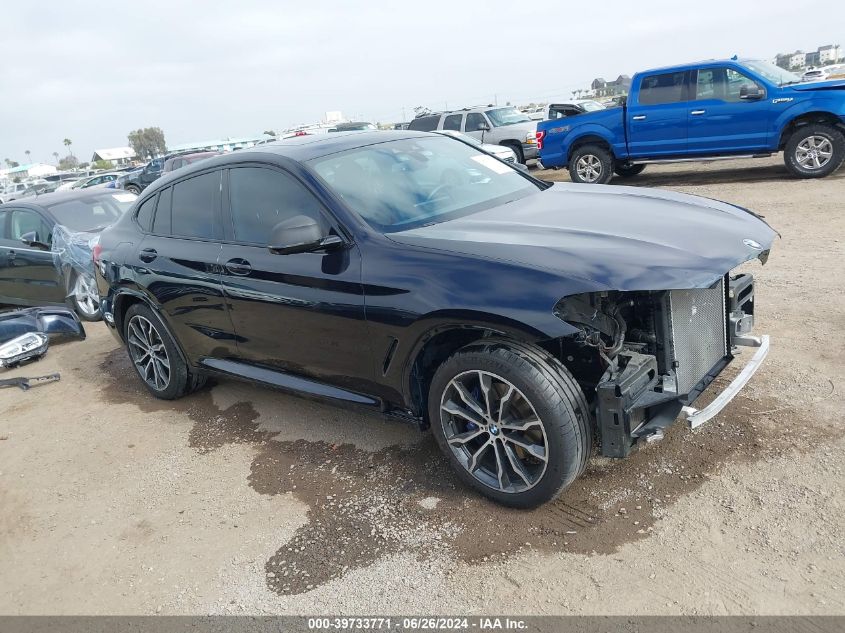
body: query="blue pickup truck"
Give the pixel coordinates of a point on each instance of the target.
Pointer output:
(715, 109)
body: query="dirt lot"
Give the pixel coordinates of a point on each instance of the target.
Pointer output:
(244, 500)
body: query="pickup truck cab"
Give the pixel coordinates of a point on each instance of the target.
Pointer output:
(709, 110)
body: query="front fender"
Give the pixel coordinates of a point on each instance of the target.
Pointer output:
(834, 105)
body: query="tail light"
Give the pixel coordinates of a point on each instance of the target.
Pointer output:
(96, 252)
(539, 135)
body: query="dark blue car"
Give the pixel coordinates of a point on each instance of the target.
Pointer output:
(415, 275)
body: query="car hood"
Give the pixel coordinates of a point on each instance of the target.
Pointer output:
(615, 238)
(496, 149)
(815, 84)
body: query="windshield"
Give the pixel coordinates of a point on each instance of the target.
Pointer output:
(507, 116)
(400, 185)
(591, 106)
(92, 212)
(775, 74)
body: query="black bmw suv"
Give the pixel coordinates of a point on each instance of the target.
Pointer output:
(415, 275)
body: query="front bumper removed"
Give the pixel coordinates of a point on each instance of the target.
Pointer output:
(697, 417)
(629, 411)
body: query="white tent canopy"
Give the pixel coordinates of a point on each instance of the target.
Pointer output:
(113, 154)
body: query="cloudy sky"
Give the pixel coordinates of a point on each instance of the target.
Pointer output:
(93, 71)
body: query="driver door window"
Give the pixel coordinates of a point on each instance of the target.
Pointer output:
(24, 221)
(260, 198)
(475, 122)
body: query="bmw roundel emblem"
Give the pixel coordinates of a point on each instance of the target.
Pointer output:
(752, 244)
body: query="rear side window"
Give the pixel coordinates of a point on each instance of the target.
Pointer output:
(193, 206)
(3, 224)
(161, 225)
(260, 198)
(666, 88)
(424, 123)
(145, 213)
(453, 122)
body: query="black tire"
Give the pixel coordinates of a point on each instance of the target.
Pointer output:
(180, 380)
(554, 396)
(597, 166)
(133, 189)
(520, 157)
(83, 312)
(628, 171)
(824, 136)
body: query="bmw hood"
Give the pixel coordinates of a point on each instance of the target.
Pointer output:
(614, 238)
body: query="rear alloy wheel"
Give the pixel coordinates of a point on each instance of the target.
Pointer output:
(86, 298)
(133, 189)
(814, 151)
(591, 164)
(155, 356)
(511, 420)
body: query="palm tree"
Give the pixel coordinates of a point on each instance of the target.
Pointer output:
(27, 152)
(67, 143)
(8, 162)
(56, 156)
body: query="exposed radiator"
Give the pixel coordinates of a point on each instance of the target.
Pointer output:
(697, 339)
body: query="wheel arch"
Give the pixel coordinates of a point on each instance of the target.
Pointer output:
(807, 118)
(125, 299)
(439, 341)
(589, 139)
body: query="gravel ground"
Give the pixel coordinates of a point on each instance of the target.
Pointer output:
(239, 499)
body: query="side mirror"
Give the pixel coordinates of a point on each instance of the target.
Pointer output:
(750, 92)
(300, 234)
(31, 239)
(484, 127)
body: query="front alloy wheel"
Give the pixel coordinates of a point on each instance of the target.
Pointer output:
(511, 420)
(814, 152)
(148, 353)
(494, 431)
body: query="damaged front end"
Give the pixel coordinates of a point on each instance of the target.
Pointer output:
(648, 355)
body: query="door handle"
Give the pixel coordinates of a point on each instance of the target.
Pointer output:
(147, 255)
(238, 266)
(697, 112)
(639, 117)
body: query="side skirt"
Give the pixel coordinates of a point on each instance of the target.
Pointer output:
(288, 382)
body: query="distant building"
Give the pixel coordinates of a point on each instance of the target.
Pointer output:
(32, 170)
(620, 86)
(217, 145)
(116, 155)
(830, 54)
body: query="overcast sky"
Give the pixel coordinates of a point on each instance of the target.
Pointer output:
(93, 71)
